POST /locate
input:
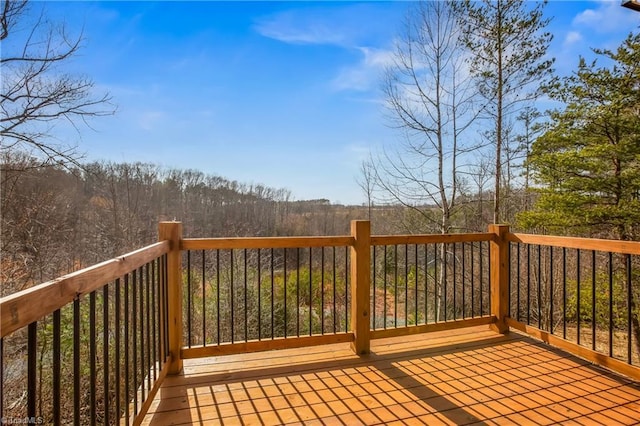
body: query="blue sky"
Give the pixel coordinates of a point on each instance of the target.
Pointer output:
(286, 94)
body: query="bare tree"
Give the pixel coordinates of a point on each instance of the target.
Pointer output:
(430, 99)
(479, 174)
(366, 182)
(35, 94)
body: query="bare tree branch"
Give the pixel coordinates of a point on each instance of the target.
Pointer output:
(35, 96)
(430, 97)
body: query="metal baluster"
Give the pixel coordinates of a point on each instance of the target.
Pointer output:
(204, 300)
(189, 313)
(56, 369)
(610, 304)
(32, 354)
(92, 357)
(593, 300)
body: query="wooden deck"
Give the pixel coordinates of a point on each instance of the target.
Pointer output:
(466, 376)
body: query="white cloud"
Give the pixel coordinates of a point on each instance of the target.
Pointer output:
(300, 28)
(607, 16)
(571, 38)
(366, 73)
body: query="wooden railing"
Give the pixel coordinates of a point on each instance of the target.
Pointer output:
(578, 294)
(89, 347)
(193, 297)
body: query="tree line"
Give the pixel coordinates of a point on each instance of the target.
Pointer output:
(58, 219)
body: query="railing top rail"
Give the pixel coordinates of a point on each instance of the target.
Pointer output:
(22, 308)
(614, 246)
(263, 242)
(381, 240)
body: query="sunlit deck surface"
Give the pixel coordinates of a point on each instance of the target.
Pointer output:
(465, 376)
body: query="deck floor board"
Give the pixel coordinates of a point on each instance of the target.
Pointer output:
(466, 376)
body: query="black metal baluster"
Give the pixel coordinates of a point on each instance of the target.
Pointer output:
(395, 285)
(436, 293)
(453, 252)
(141, 311)
(273, 295)
(464, 276)
(473, 279)
(56, 369)
(593, 300)
(564, 292)
(551, 278)
(415, 285)
(509, 268)
(489, 278)
(204, 300)
(218, 294)
(539, 295)
(246, 314)
(426, 284)
(76, 361)
(2, 378)
(32, 354)
(445, 278)
(528, 284)
(105, 351)
(155, 314)
(578, 293)
(629, 313)
(189, 313)
(346, 289)
(92, 357)
(335, 312)
(259, 296)
(298, 291)
(134, 340)
(284, 271)
(116, 361)
(481, 279)
(147, 370)
(321, 290)
(384, 302)
(127, 308)
(406, 285)
(518, 282)
(310, 290)
(231, 290)
(165, 281)
(610, 304)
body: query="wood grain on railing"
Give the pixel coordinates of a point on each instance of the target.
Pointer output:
(360, 283)
(614, 246)
(265, 345)
(433, 327)
(24, 307)
(266, 242)
(382, 240)
(499, 277)
(172, 232)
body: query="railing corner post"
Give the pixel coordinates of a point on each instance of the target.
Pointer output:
(172, 231)
(499, 258)
(360, 282)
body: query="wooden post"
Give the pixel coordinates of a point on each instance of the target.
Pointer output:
(360, 281)
(499, 258)
(172, 231)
